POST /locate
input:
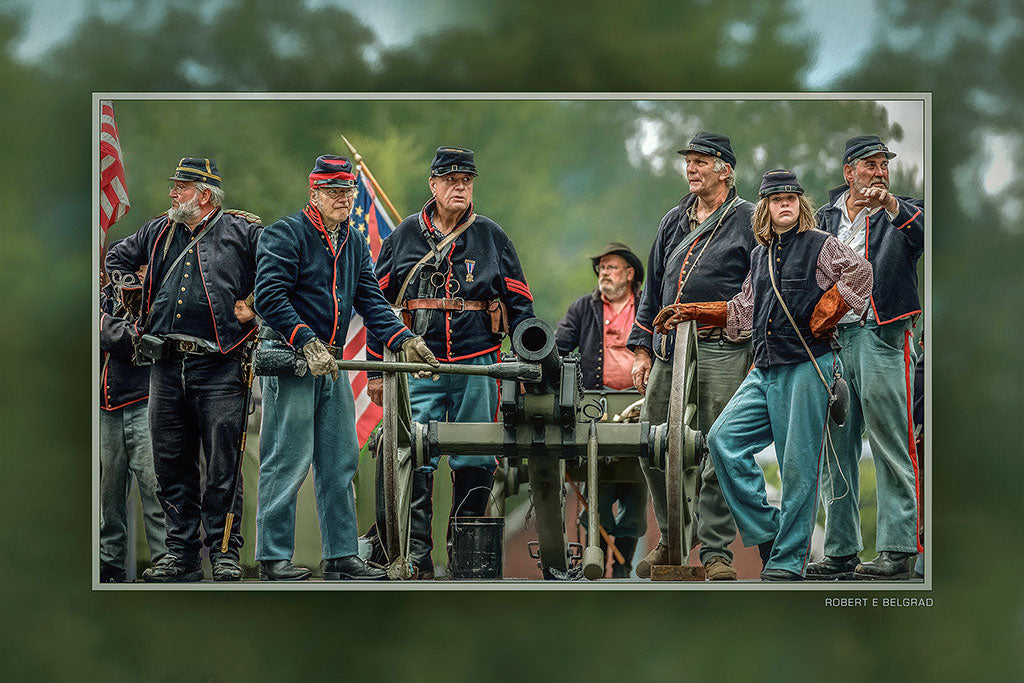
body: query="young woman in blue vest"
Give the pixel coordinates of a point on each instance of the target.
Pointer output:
(783, 398)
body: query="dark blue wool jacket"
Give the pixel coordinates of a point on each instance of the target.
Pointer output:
(121, 382)
(718, 276)
(893, 250)
(481, 264)
(306, 288)
(226, 258)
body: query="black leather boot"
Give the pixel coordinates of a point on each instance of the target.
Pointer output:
(627, 546)
(421, 515)
(169, 569)
(282, 570)
(888, 566)
(833, 568)
(351, 568)
(775, 574)
(471, 489)
(765, 550)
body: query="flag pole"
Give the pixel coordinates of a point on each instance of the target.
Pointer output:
(376, 186)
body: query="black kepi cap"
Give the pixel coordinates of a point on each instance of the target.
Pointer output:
(779, 180)
(620, 249)
(865, 146)
(712, 144)
(452, 160)
(197, 170)
(332, 171)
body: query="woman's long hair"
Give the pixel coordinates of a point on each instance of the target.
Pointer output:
(762, 220)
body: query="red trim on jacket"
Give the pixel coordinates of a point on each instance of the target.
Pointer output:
(900, 227)
(383, 282)
(213, 318)
(637, 323)
(375, 355)
(124, 404)
(152, 255)
(396, 334)
(291, 339)
(518, 287)
(472, 355)
(911, 442)
(334, 282)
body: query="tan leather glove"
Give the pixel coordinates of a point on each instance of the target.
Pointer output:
(828, 312)
(707, 312)
(416, 351)
(319, 359)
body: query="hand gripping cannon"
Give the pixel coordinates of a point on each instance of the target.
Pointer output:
(548, 420)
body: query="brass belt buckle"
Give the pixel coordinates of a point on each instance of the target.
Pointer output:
(187, 346)
(457, 300)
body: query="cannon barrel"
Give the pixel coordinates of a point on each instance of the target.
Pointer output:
(534, 342)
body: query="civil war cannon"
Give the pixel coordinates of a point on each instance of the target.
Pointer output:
(548, 421)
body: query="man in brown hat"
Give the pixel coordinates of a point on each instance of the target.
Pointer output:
(598, 324)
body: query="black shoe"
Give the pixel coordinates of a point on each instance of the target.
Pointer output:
(111, 574)
(765, 549)
(888, 566)
(351, 568)
(421, 514)
(226, 568)
(282, 570)
(626, 546)
(833, 568)
(780, 575)
(169, 569)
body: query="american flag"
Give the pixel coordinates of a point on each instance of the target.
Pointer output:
(370, 219)
(114, 202)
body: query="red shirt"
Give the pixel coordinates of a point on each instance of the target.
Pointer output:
(618, 360)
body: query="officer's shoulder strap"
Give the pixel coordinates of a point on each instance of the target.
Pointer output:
(251, 217)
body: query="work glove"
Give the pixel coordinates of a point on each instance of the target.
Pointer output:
(827, 313)
(416, 351)
(319, 359)
(706, 312)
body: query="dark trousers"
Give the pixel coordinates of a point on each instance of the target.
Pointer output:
(193, 401)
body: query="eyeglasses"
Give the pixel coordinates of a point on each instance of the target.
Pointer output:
(180, 189)
(338, 192)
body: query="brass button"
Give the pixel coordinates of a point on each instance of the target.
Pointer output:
(179, 315)
(183, 289)
(777, 260)
(190, 251)
(769, 332)
(769, 319)
(188, 263)
(180, 301)
(186, 274)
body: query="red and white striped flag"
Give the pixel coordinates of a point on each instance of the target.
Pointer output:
(371, 221)
(114, 202)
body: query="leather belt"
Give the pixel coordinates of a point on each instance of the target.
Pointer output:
(189, 347)
(457, 304)
(336, 351)
(717, 334)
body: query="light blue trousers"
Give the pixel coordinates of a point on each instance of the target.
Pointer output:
(306, 421)
(877, 371)
(125, 451)
(457, 398)
(786, 404)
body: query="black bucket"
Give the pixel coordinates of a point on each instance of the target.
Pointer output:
(477, 547)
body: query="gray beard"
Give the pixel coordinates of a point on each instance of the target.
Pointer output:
(187, 212)
(612, 292)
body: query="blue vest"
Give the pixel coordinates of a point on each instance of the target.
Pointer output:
(794, 259)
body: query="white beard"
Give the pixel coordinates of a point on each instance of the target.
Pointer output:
(186, 212)
(612, 292)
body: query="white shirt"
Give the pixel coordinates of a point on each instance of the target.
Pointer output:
(853, 232)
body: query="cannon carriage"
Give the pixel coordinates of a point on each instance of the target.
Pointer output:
(548, 423)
